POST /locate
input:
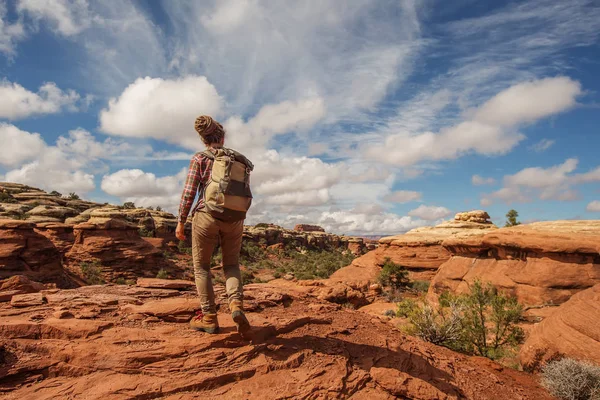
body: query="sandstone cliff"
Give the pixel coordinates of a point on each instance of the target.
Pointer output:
(542, 263)
(419, 250)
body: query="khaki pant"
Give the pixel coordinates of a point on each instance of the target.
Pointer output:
(206, 232)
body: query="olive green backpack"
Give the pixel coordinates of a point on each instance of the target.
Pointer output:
(227, 195)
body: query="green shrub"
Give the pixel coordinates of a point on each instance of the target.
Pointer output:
(390, 313)
(570, 379)
(144, 232)
(261, 225)
(183, 249)
(150, 208)
(247, 277)
(7, 198)
(158, 208)
(162, 274)
(55, 193)
(129, 205)
(420, 286)
(482, 322)
(92, 272)
(121, 281)
(73, 196)
(393, 275)
(130, 282)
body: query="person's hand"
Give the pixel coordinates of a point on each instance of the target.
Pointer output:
(180, 231)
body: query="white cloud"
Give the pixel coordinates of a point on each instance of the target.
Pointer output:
(542, 145)
(354, 223)
(162, 109)
(16, 102)
(552, 183)
(429, 213)
(18, 146)
(66, 17)
(593, 206)
(490, 131)
(529, 101)
(135, 183)
(403, 196)
(480, 180)
(10, 33)
(38, 174)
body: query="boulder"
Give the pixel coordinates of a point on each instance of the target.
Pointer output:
(542, 263)
(572, 330)
(18, 284)
(59, 213)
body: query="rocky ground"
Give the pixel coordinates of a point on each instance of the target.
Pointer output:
(133, 342)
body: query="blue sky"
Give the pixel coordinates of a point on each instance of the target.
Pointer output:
(373, 118)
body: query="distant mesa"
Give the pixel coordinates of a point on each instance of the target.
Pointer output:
(308, 228)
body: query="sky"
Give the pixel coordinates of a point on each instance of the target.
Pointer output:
(372, 118)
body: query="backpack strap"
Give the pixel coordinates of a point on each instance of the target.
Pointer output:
(208, 154)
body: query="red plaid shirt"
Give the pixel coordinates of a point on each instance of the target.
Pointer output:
(197, 177)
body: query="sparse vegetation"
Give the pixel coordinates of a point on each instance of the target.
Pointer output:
(261, 225)
(390, 313)
(162, 274)
(183, 249)
(7, 198)
(73, 196)
(92, 272)
(420, 286)
(130, 282)
(393, 275)
(482, 322)
(158, 208)
(247, 277)
(55, 193)
(150, 208)
(145, 232)
(129, 205)
(511, 218)
(570, 379)
(121, 281)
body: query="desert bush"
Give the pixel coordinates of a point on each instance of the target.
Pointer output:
(261, 225)
(7, 198)
(92, 272)
(162, 274)
(393, 275)
(130, 282)
(420, 286)
(183, 249)
(121, 281)
(55, 193)
(144, 232)
(390, 313)
(570, 379)
(73, 196)
(129, 205)
(158, 208)
(247, 277)
(150, 208)
(482, 322)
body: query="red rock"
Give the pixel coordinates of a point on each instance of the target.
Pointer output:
(294, 353)
(308, 228)
(540, 263)
(165, 283)
(175, 309)
(571, 330)
(27, 300)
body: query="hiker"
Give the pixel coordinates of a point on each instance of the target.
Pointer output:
(221, 177)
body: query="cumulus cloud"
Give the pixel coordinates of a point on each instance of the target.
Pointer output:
(162, 109)
(16, 102)
(491, 130)
(135, 183)
(429, 213)
(403, 196)
(593, 206)
(18, 146)
(480, 180)
(553, 183)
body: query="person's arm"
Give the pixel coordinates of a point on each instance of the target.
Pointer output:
(192, 182)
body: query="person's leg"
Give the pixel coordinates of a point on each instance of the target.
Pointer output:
(231, 243)
(205, 234)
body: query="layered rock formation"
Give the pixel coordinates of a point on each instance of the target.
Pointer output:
(132, 342)
(24, 251)
(419, 250)
(117, 247)
(572, 330)
(542, 263)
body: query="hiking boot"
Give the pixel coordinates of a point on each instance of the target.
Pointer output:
(237, 313)
(205, 322)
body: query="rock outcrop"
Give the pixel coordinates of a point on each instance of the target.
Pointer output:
(132, 342)
(542, 263)
(116, 247)
(572, 330)
(308, 228)
(23, 251)
(419, 250)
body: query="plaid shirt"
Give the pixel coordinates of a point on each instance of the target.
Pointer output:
(197, 177)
